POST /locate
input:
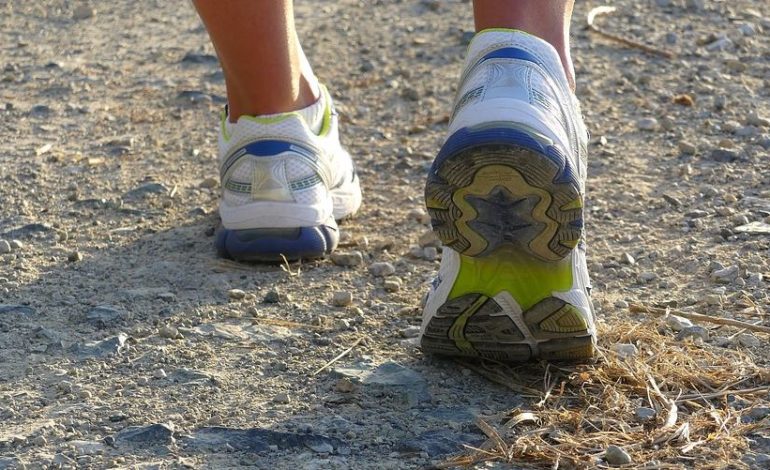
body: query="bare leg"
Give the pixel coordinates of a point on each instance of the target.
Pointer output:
(265, 69)
(546, 19)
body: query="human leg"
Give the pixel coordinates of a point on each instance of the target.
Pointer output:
(285, 177)
(265, 69)
(505, 195)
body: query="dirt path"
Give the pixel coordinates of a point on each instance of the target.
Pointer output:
(125, 342)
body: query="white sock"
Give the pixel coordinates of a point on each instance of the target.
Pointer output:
(314, 114)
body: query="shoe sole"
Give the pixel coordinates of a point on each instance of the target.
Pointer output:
(273, 245)
(510, 204)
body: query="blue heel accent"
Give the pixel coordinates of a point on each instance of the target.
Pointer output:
(272, 245)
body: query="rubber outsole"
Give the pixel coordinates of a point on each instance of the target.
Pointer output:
(508, 201)
(475, 325)
(493, 187)
(272, 245)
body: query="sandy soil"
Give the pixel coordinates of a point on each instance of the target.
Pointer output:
(125, 342)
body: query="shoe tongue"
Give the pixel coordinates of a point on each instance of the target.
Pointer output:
(487, 41)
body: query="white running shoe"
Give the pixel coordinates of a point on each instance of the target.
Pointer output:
(283, 186)
(505, 195)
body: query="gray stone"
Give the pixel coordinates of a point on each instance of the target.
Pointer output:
(83, 11)
(145, 436)
(677, 323)
(754, 228)
(10, 463)
(725, 275)
(100, 349)
(748, 340)
(193, 57)
(720, 44)
(23, 310)
(105, 316)
(236, 294)
(87, 447)
(5, 247)
(342, 298)
(275, 297)
(723, 155)
(625, 350)
(759, 413)
(145, 190)
(644, 414)
(405, 385)
(648, 124)
(615, 455)
(694, 332)
(647, 276)
(439, 443)
(381, 269)
(353, 258)
(255, 440)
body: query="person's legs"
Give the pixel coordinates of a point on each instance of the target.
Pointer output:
(265, 69)
(285, 177)
(547, 19)
(505, 195)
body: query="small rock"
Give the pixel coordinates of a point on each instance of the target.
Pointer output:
(429, 238)
(677, 323)
(236, 294)
(647, 276)
(344, 385)
(615, 455)
(145, 436)
(392, 285)
(748, 340)
(282, 398)
(145, 190)
(625, 350)
(411, 332)
(755, 119)
(644, 414)
(754, 228)
(342, 298)
(5, 247)
(694, 332)
(83, 12)
(620, 303)
(209, 183)
(759, 413)
(626, 258)
(687, 148)
(721, 44)
(275, 297)
(354, 258)
(320, 447)
(722, 155)
(648, 124)
(159, 374)
(100, 349)
(381, 269)
(747, 29)
(74, 257)
(105, 316)
(726, 275)
(87, 447)
(170, 332)
(430, 253)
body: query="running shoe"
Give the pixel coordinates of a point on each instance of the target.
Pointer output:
(283, 186)
(505, 195)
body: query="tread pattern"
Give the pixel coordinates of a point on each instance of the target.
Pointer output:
(492, 188)
(474, 325)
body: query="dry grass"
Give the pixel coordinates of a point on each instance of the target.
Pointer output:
(581, 410)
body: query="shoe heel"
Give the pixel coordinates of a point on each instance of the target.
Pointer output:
(272, 245)
(499, 186)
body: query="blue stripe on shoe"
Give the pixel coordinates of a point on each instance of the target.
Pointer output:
(265, 148)
(512, 53)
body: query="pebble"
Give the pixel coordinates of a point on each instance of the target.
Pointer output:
(626, 258)
(381, 269)
(644, 414)
(615, 455)
(695, 332)
(647, 124)
(411, 332)
(209, 183)
(418, 215)
(170, 332)
(145, 436)
(392, 285)
(344, 385)
(275, 297)
(677, 323)
(105, 316)
(353, 258)
(726, 275)
(429, 238)
(282, 397)
(342, 298)
(83, 12)
(100, 349)
(87, 447)
(721, 44)
(620, 303)
(647, 276)
(625, 350)
(74, 257)
(430, 253)
(236, 294)
(748, 340)
(723, 155)
(160, 374)
(687, 148)
(5, 247)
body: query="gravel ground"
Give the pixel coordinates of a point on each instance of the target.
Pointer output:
(125, 342)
